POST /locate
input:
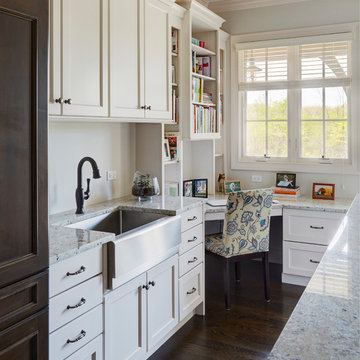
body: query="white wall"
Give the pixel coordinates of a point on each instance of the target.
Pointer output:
(290, 16)
(111, 145)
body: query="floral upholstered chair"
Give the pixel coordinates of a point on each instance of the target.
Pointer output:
(245, 234)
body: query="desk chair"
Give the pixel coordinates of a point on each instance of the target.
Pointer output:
(245, 235)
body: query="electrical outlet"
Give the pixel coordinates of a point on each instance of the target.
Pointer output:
(110, 175)
(256, 178)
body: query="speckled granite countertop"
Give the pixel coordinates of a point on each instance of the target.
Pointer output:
(302, 203)
(66, 242)
(326, 321)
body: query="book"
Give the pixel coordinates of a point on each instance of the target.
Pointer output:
(206, 66)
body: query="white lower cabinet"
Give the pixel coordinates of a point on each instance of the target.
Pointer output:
(92, 351)
(141, 312)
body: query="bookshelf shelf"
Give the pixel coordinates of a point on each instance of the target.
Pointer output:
(174, 54)
(203, 77)
(204, 104)
(173, 84)
(200, 51)
(171, 162)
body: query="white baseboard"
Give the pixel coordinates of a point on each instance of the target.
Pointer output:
(295, 279)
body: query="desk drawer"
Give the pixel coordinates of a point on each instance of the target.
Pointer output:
(79, 331)
(70, 272)
(190, 259)
(313, 227)
(191, 238)
(80, 299)
(301, 259)
(92, 351)
(191, 291)
(191, 218)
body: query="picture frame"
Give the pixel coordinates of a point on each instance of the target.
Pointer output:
(188, 188)
(323, 191)
(232, 186)
(166, 150)
(200, 188)
(286, 180)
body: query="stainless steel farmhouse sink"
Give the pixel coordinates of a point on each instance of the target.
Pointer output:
(142, 240)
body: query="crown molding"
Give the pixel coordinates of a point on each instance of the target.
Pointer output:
(231, 5)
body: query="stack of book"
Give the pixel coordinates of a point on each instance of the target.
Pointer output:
(204, 119)
(286, 193)
(207, 98)
(172, 138)
(197, 89)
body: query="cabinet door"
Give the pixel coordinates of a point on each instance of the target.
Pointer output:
(28, 340)
(84, 56)
(157, 60)
(92, 351)
(23, 139)
(162, 300)
(126, 58)
(125, 321)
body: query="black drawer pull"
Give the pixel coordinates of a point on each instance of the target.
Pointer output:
(82, 335)
(193, 218)
(314, 261)
(193, 239)
(80, 303)
(147, 287)
(191, 291)
(192, 261)
(82, 269)
(317, 227)
(152, 283)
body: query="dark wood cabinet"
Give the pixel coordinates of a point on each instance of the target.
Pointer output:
(23, 179)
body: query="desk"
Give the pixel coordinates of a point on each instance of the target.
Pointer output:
(308, 227)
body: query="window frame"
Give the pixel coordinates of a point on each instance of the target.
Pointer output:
(294, 161)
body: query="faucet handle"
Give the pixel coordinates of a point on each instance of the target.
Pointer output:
(87, 192)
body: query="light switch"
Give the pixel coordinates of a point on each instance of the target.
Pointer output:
(256, 178)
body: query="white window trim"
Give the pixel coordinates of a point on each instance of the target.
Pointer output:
(236, 143)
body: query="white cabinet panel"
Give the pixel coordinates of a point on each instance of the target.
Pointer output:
(157, 60)
(313, 227)
(191, 218)
(162, 300)
(191, 259)
(301, 259)
(126, 58)
(91, 351)
(125, 321)
(191, 238)
(79, 58)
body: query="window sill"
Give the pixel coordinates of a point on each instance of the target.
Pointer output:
(303, 167)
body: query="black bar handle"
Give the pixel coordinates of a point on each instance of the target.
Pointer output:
(191, 291)
(193, 239)
(147, 287)
(152, 283)
(82, 269)
(193, 260)
(317, 227)
(193, 218)
(80, 303)
(82, 335)
(314, 261)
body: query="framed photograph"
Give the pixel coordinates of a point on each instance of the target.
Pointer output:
(188, 188)
(232, 186)
(323, 191)
(166, 150)
(201, 188)
(286, 180)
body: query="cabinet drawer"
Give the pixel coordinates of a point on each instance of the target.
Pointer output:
(301, 259)
(313, 227)
(22, 299)
(92, 351)
(73, 271)
(191, 291)
(191, 218)
(190, 259)
(191, 238)
(76, 334)
(74, 302)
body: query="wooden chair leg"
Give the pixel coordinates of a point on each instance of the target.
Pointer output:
(227, 284)
(237, 271)
(265, 261)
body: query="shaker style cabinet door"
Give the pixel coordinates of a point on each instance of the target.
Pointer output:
(157, 60)
(23, 140)
(79, 58)
(126, 58)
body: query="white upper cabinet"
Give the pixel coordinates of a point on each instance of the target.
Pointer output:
(79, 57)
(140, 59)
(157, 60)
(126, 58)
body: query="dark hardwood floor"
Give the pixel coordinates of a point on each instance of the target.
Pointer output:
(248, 331)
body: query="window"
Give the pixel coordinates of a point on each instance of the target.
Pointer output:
(294, 99)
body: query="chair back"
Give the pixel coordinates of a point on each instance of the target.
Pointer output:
(247, 222)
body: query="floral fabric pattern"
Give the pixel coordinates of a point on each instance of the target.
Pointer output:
(246, 224)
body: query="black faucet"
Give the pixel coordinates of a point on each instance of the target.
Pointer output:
(80, 195)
